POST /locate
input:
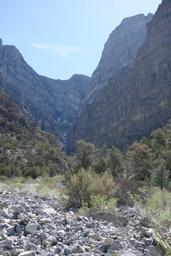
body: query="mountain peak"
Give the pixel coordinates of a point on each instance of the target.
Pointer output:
(163, 10)
(150, 15)
(121, 48)
(137, 17)
(10, 52)
(79, 76)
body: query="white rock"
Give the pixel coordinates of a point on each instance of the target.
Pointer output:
(32, 228)
(27, 253)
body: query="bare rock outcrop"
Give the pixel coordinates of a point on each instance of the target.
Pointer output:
(135, 101)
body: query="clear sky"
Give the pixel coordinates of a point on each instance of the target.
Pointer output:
(59, 38)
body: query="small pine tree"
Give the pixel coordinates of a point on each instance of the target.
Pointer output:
(85, 154)
(160, 175)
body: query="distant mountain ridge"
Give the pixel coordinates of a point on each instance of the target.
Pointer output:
(135, 101)
(53, 104)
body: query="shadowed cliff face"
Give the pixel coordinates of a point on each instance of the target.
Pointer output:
(52, 103)
(137, 99)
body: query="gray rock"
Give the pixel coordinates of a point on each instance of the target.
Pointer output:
(116, 245)
(152, 251)
(82, 236)
(4, 213)
(27, 253)
(28, 246)
(108, 242)
(45, 221)
(61, 233)
(32, 228)
(67, 251)
(6, 244)
(2, 253)
(16, 251)
(95, 237)
(52, 240)
(17, 209)
(10, 231)
(78, 249)
(148, 241)
(128, 253)
(19, 228)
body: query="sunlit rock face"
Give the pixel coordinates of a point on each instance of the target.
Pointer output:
(121, 48)
(136, 100)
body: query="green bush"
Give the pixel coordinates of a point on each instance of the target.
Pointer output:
(85, 186)
(103, 203)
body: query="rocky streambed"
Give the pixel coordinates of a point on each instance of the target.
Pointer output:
(34, 225)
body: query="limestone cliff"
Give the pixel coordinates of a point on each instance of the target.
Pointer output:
(120, 49)
(135, 101)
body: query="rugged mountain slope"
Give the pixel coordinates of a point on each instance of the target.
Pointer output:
(25, 150)
(52, 103)
(121, 48)
(137, 100)
(11, 118)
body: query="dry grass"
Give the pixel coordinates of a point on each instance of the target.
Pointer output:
(45, 186)
(157, 208)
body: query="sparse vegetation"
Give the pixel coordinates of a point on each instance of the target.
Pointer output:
(156, 206)
(24, 149)
(86, 188)
(45, 186)
(146, 163)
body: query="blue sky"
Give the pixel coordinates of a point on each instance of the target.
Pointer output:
(59, 38)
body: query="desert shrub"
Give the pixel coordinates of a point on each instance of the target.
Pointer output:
(156, 205)
(85, 185)
(103, 203)
(168, 253)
